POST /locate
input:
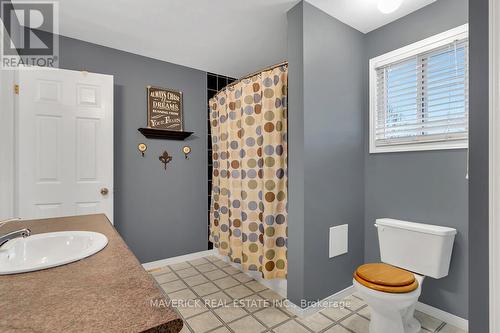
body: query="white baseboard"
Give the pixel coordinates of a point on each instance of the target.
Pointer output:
(318, 306)
(175, 260)
(444, 316)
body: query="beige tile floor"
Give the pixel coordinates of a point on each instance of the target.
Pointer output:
(212, 296)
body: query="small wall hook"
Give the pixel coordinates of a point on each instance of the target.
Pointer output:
(186, 150)
(165, 158)
(142, 147)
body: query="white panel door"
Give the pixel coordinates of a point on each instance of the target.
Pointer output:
(64, 143)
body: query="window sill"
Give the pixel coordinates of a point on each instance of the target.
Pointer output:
(422, 146)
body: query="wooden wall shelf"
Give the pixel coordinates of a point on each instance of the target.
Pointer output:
(152, 133)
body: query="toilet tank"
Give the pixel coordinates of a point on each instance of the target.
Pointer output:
(421, 248)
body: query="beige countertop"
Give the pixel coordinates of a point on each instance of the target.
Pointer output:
(107, 292)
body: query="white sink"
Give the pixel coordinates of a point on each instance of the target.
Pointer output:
(48, 250)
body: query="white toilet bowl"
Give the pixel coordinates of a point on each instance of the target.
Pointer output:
(391, 312)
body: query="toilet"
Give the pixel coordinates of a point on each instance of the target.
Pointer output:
(409, 252)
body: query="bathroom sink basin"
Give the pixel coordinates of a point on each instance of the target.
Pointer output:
(48, 250)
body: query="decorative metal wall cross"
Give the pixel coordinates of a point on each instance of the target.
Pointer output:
(165, 158)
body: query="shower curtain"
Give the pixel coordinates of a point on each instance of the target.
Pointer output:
(248, 216)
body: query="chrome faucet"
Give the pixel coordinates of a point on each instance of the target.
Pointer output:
(25, 232)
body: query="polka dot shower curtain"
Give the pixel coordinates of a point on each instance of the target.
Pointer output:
(248, 218)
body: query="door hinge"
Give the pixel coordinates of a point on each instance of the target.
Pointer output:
(16, 89)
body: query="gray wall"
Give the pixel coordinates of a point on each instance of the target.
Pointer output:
(159, 213)
(428, 187)
(296, 191)
(326, 150)
(478, 185)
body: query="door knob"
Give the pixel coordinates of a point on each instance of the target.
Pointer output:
(104, 191)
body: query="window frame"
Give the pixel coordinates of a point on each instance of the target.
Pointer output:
(402, 53)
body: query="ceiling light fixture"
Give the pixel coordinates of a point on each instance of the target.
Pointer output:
(388, 6)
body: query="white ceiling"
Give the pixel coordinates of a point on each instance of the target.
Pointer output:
(231, 37)
(364, 15)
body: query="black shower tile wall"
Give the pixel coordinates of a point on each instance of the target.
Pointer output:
(215, 82)
(212, 81)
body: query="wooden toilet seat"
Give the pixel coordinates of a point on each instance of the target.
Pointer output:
(385, 278)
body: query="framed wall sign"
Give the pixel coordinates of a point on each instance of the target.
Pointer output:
(164, 109)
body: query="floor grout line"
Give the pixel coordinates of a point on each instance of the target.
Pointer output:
(209, 308)
(440, 327)
(212, 310)
(249, 313)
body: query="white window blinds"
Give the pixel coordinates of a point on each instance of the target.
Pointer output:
(423, 98)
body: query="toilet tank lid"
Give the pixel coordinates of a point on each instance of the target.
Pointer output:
(418, 227)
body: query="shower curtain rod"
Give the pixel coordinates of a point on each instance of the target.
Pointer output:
(252, 74)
